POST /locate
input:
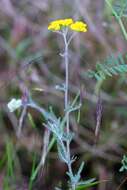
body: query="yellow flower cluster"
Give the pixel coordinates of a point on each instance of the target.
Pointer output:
(77, 26)
(58, 24)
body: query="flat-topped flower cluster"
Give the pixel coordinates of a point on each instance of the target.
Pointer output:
(59, 24)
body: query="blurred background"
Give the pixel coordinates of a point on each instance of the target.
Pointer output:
(29, 56)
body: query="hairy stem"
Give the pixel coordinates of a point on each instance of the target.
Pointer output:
(66, 102)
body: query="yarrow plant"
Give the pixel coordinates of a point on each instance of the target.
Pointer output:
(60, 127)
(63, 27)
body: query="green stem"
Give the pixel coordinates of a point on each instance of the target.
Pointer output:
(118, 18)
(123, 28)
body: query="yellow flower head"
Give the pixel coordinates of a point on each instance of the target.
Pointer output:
(79, 26)
(58, 24)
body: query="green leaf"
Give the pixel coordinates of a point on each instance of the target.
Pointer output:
(89, 183)
(22, 47)
(124, 164)
(109, 67)
(32, 123)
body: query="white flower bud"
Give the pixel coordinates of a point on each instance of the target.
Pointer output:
(14, 104)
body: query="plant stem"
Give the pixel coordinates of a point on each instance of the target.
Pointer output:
(66, 103)
(123, 28)
(118, 19)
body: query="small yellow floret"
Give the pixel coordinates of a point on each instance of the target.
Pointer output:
(58, 24)
(79, 26)
(67, 22)
(54, 26)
